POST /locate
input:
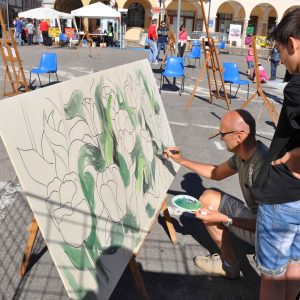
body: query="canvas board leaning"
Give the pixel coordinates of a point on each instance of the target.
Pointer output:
(88, 155)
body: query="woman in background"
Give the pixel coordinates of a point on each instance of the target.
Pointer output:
(182, 40)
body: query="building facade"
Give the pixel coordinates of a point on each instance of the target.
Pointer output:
(260, 15)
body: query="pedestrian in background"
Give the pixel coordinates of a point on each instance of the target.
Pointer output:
(152, 38)
(162, 40)
(30, 30)
(274, 58)
(18, 31)
(110, 36)
(182, 40)
(250, 61)
(44, 27)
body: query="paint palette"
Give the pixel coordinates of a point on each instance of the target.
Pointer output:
(186, 203)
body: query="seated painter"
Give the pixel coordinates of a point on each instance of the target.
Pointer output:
(222, 212)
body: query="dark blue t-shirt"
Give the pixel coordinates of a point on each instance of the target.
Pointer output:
(162, 33)
(18, 26)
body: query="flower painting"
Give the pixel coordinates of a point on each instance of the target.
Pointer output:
(88, 155)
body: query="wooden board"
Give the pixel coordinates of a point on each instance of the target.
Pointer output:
(88, 155)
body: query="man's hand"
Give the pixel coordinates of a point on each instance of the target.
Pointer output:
(174, 153)
(292, 161)
(210, 217)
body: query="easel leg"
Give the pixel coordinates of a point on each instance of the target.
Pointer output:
(138, 279)
(169, 223)
(29, 246)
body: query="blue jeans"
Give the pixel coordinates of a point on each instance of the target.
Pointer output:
(161, 46)
(152, 51)
(18, 37)
(277, 237)
(274, 65)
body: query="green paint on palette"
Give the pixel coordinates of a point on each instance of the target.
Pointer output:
(187, 203)
(150, 210)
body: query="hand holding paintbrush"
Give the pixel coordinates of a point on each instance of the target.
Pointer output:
(174, 153)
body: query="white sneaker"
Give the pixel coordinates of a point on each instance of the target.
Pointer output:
(156, 63)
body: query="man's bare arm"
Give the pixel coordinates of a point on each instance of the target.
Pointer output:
(215, 172)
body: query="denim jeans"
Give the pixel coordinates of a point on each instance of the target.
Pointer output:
(161, 46)
(274, 65)
(18, 37)
(152, 51)
(277, 237)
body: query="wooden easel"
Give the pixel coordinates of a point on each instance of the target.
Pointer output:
(211, 63)
(259, 91)
(34, 229)
(12, 63)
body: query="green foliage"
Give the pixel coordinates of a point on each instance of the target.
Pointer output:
(74, 106)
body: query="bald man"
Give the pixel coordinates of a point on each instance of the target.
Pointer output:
(222, 212)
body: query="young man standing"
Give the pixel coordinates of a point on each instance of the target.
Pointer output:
(277, 187)
(18, 31)
(162, 41)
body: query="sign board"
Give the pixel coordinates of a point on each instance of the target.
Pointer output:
(250, 30)
(211, 23)
(155, 10)
(69, 32)
(54, 32)
(87, 152)
(235, 31)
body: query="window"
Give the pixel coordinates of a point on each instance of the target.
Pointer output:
(136, 15)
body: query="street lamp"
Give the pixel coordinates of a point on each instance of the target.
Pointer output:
(209, 4)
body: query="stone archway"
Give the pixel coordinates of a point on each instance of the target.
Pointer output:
(67, 5)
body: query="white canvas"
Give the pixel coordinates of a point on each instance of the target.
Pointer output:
(88, 155)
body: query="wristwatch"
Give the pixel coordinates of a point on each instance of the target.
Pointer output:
(228, 222)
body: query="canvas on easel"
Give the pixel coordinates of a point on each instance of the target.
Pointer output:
(88, 155)
(211, 64)
(259, 90)
(14, 71)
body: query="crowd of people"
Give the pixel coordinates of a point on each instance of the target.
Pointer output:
(269, 179)
(25, 30)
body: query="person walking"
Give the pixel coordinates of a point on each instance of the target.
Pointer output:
(274, 58)
(182, 40)
(18, 31)
(152, 38)
(30, 30)
(162, 40)
(250, 62)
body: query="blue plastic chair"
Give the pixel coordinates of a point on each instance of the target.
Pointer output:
(63, 40)
(48, 64)
(231, 75)
(221, 46)
(196, 43)
(174, 69)
(195, 53)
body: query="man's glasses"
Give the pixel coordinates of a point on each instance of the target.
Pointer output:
(222, 134)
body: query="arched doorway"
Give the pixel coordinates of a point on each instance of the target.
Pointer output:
(136, 15)
(67, 5)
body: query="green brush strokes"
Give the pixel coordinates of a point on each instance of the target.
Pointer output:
(80, 292)
(153, 102)
(74, 106)
(117, 239)
(150, 210)
(123, 169)
(78, 257)
(187, 204)
(130, 222)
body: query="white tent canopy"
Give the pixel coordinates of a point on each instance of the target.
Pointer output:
(96, 10)
(42, 13)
